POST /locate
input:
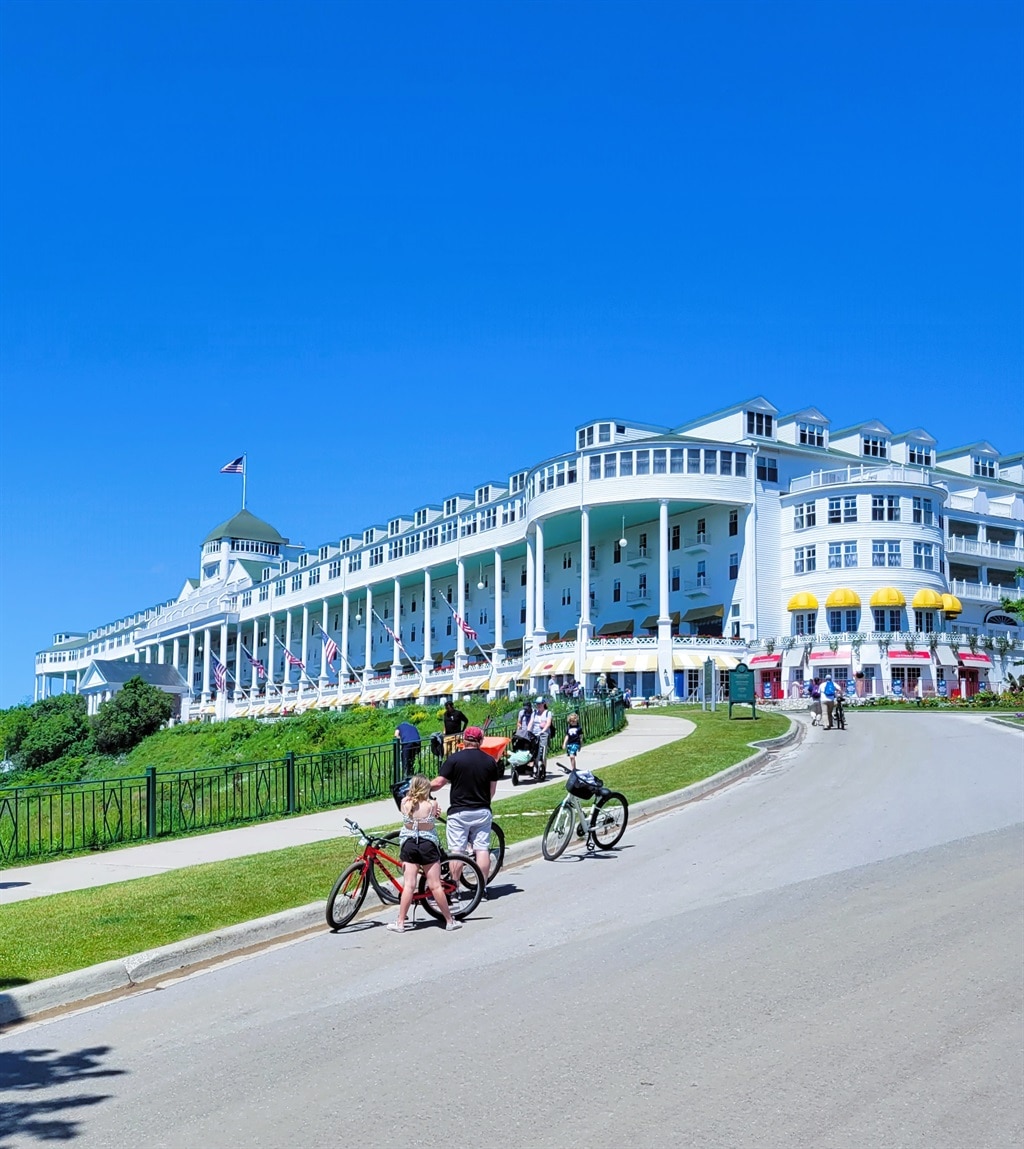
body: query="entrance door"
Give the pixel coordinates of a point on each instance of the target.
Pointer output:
(968, 683)
(771, 684)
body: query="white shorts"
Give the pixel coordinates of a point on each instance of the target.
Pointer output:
(469, 831)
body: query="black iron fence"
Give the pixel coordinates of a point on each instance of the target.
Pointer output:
(69, 817)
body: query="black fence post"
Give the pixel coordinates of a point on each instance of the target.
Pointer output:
(150, 801)
(289, 773)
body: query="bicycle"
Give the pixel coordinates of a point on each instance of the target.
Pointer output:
(603, 828)
(387, 893)
(376, 867)
(839, 715)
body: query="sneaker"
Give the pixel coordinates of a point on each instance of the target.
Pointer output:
(452, 925)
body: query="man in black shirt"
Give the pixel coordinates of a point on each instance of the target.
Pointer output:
(454, 724)
(473, 776)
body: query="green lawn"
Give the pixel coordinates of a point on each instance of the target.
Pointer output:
(43, 937)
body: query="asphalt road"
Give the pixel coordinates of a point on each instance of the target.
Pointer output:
(830, 953)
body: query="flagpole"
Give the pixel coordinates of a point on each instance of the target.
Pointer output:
(395, 636)
(245, 464)
(455, 615)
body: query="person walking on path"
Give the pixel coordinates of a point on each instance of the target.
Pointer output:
(455, 722)
(573, 738)
(828, 693)
(473, 776)
(540, 726)
(816, 702)
(419, 846)
(408, 738)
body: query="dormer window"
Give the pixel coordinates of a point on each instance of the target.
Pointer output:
(760, 423)
(984, 468)
(919, 456)
(368, 536)
(421, 518)
(394, 526)
(323, 553)
(874, 448)
(345, 545)
(604, 432)
(811, 434)
(303, 560)
(585, 437)
(451, 506)
(483, 495)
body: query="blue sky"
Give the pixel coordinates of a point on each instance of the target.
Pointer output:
(392, 250)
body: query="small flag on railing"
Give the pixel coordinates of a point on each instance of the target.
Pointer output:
(235, 467)
(330, 646)
(255, 663)
(220, 674)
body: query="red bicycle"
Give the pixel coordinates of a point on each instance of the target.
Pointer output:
(376, 867)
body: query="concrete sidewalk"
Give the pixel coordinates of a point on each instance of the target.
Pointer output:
(643, 732)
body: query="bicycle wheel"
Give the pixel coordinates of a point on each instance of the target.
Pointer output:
(468, 902)
(608, 819)
(383, 871)
(347, 896)
(497, 849)
(558, 831)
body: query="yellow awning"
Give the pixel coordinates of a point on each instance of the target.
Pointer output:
(686, 660)
(927, 599)
(888, 596)
(842, 596)
(803, 601)
(563, 664)
(617, 662)
(406, 691)
(432, 689)
(473, 683)
(502, 681)
(377, 695)
(951, 604)
(726, 661)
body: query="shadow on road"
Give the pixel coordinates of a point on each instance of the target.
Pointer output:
(28, 1072)
(11, 885)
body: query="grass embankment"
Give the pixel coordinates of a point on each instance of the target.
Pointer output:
(43, 937)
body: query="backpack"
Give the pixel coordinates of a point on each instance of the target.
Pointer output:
(830, 689)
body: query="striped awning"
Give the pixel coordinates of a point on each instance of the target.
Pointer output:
(725, 661)
(562, 664)
(377, 695)
(406, 691)
(471, 684)
(686, 660)
(502, 681)
(433, 689)
(616, 662)
(765, 661)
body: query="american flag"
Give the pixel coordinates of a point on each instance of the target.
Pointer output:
(292, 660)
(220, 674)
(464, 626)
(255, 663)
(391, 634)
(330, 646)
(235, 467)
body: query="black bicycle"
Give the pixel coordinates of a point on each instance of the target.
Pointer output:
(839, 714)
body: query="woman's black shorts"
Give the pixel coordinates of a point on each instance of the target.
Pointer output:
(422, 851)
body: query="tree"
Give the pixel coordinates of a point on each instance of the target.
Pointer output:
(135, 712)
(55, 726)
(1015, 606)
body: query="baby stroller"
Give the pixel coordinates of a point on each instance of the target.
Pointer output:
(524, 758)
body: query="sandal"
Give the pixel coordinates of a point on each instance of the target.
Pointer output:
(395, 928)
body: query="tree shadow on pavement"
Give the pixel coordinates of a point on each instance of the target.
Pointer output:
(33, 1083)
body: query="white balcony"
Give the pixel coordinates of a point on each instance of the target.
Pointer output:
(638, 597)
(885, 473)
(699, 542)
(984, 592)
(638, 558)
(959, 545)
(694, 588)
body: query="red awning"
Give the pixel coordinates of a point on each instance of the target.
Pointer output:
(974, 660)
(909, 655)
(839, 657)
(765, 661)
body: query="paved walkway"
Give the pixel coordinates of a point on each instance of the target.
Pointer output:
(644, 732)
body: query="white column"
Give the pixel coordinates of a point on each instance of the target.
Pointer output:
(324, 673)
(530, 588)
(666, 677)
(288, 647)
(499, 649)
(396, 626)
(138, 655)
(304, 677)
(78, 682)
(223, 656)
(176, 653)
(238, 657)
(191, 660)
(207, 642)
(149, 653)
(254, 679)
(160, 653)
(270, 649)
(64, 689)
(35, 688)
(538, 603)
(343, 668)
(427, 604)
(368, 650)
(584, 632)
(460, 606)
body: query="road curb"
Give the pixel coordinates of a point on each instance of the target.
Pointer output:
(23, 1003)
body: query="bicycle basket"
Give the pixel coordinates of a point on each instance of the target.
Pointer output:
(581, 786)
(399, 790)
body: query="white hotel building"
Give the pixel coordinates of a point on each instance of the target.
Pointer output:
(640, 553)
